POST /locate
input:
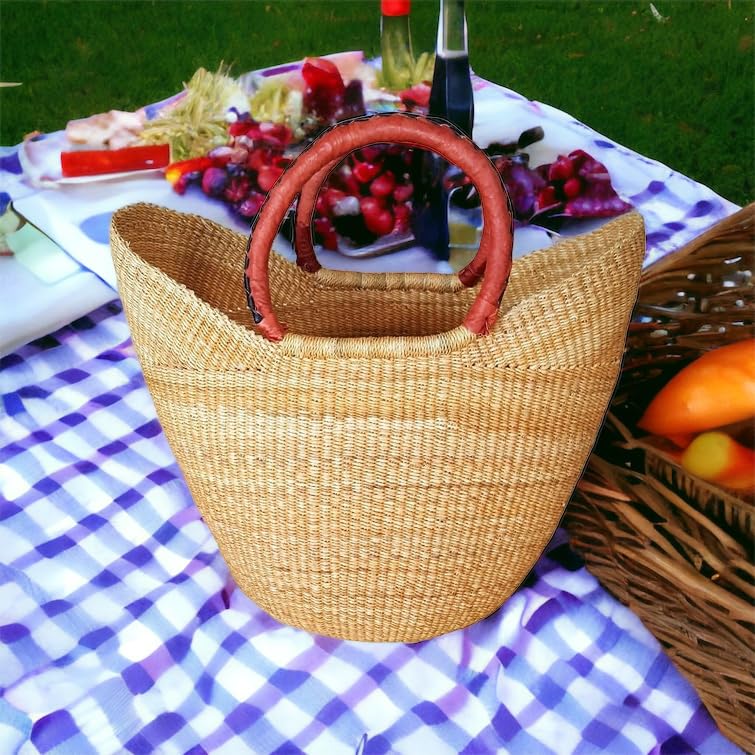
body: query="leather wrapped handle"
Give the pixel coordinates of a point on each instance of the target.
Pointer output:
(398, 128)
(304, 246)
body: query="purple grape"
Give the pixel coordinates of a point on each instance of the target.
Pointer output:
(321, 103)
(214, 181)
(353, 101)
(251, 205)
(235, 169)
(523, 185)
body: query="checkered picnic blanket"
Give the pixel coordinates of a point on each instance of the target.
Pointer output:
(122, 630)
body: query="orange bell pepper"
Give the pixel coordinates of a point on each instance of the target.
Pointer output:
(716, 389)
(718, 458)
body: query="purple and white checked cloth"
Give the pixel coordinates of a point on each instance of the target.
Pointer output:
(122, 630)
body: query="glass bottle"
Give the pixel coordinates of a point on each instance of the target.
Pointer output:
(450, 98)
(396, 44)
(451, 94)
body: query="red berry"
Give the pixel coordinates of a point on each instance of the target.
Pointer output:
(561, 170)
(377, 219)
(383, 185)
(369, 205)
(322, 224)
(403, 218)
(332, 197)
(275, 134)
(370, 153)
(351, 185)
(344, 179)
(258, 158)
(383, 224)
(321, 205)
(267, 176)
(573, 187)
(181, 184)
(237, 189)
(403, 192)
(365, 171)
(251, 205)
(546, 198)
(327, 233)
(240, 127)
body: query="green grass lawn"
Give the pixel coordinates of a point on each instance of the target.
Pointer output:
(681, 91)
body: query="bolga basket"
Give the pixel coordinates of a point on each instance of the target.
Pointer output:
(676, 549)
(377, 471)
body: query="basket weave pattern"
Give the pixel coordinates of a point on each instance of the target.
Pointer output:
(391, 498)
(676, 549)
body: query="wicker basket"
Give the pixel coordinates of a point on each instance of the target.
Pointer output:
(379, 471)
(675, 549)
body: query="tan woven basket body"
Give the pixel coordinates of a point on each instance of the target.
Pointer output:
(676, 549)
(380, 473)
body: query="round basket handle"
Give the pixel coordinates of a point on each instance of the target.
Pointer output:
(304, 246)
(398, 128)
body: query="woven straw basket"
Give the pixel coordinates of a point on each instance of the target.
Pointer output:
(378, 471)
(676, 549)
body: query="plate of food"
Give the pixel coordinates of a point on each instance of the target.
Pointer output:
(117, 144)
(224, 141)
